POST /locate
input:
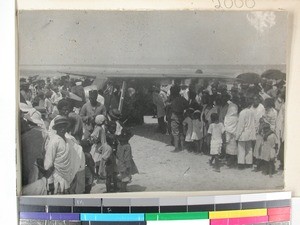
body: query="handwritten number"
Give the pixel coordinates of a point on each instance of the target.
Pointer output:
(237, 3)
(228, 6)
(239, 6)
(218, 6)
(250, 3)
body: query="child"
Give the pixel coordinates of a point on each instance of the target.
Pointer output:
(257, 161)
(269, 149)
(111, 165)
(125, 164)
(188, 128)
(98, 139)
(197, 134)
(216, 132)
(114, 115)
(89, 165)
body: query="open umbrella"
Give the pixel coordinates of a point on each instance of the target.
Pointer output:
(250, 78)
(274, 74)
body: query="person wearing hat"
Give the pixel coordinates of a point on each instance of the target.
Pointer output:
(114, 115)
(64, 108)
(90, 110)
(57, 154)
(78, 90)
(177, 107)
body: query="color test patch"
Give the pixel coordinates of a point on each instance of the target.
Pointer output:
(237, 213)
(244, 220)
(112, 217)
(277, 211)
(178, 222)
(114, 223)
(176, 216)
(279, 218)
(48, 222)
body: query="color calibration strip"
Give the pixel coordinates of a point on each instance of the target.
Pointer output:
(266, 208)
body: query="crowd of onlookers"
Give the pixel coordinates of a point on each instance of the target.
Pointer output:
(70, 139)
(73, 136)
(241, 124)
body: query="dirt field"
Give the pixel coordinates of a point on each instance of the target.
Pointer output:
(162, 170)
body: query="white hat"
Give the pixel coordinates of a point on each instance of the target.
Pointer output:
(99, 120)
(35, 116)
(24, 107)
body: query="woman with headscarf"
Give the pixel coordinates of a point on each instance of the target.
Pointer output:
(230, 123)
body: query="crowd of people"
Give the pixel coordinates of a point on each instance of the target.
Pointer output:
(70, 140)
(241, 125)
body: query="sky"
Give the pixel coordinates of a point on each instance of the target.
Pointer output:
(151, 38)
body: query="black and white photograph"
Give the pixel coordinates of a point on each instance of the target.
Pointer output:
(151, 101)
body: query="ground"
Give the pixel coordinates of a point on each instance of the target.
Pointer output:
(162, 170)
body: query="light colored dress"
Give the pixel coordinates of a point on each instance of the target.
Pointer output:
(188, 122)
(216, 130)
(197, 133)
(230, 124)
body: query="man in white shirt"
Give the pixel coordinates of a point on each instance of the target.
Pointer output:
(58, 155)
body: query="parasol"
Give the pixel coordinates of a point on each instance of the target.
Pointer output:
(274, 74)
(250, 78)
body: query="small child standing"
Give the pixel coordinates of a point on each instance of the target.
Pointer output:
(216, 132)
(188, 128)
(98, 139)
(197, 134)
(111, 165)
(89, 165)
(125, 164)
(269, 149)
